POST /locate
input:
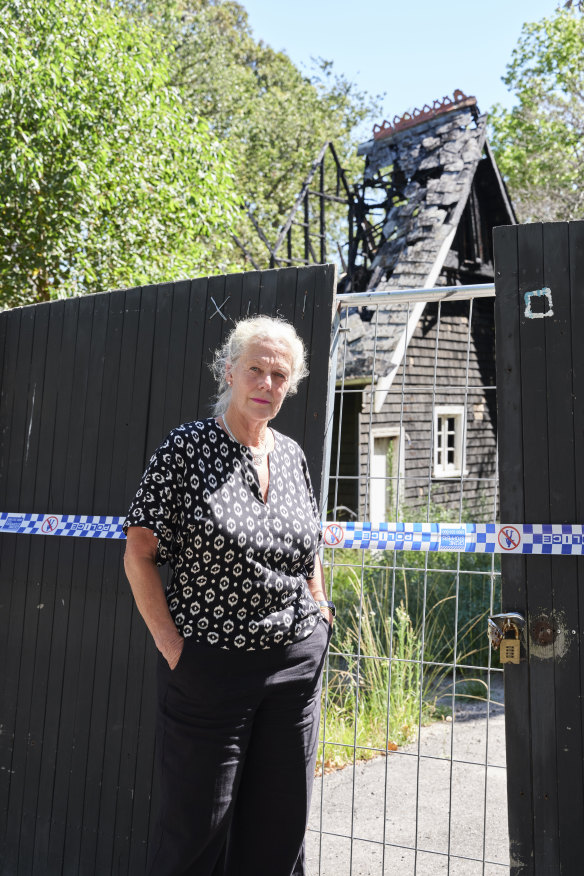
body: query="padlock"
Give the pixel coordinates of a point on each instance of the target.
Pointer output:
(510, 649)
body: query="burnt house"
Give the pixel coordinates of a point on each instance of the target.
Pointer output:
(416, 382)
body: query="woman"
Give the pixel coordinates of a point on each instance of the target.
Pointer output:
(243, 629)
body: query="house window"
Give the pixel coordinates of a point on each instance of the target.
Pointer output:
(448, 441)
(385, 465)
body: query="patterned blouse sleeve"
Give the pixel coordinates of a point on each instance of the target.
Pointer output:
(157, 502)
(310, 566)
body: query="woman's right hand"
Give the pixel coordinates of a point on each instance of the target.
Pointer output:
(172, 652)
(144, 578)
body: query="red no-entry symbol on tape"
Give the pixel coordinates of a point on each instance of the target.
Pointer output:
(333, 535)
(509, 538)
(49, 525)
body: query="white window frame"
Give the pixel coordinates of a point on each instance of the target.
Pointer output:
(391, 432)
(442, 467)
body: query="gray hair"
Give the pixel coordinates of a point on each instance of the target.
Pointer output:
(246, 332)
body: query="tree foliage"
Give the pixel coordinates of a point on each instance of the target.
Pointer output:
(539, 143)
(107, 177)
(274, 117)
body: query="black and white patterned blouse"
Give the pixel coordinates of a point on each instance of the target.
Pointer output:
(240, 565)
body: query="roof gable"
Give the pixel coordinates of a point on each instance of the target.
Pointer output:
(435, 162)
(430, 167)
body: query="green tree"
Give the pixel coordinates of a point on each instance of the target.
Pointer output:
(539, 143)
(106, 177)
(275, 118)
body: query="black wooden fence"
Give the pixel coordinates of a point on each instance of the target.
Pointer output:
(89, 387)
(540, 389)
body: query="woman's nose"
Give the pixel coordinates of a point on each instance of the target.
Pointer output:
(266, 381)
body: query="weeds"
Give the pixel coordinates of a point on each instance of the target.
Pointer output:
(372, 701)
(394, 649)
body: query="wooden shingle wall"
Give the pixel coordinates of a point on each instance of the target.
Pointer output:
(451, 388)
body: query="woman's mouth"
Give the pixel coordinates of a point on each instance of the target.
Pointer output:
(261, 401)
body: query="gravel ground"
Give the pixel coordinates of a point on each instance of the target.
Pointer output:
(477, 816)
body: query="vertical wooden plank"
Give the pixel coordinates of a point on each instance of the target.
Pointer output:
(177, 354)
(320, 364)
(576, 278)
(10, 327)
(68, 790)
(514, 586)
(193, 365)
(291, 419)
(160, 356)
(9, 599)
(70, 391)
(3, 363)
(144, 789)
(18, 422)
(250, 293)
(287, 279)
(131, 815)
(140, 644)
(59, 552)
(536, 486)
(90, 585)
(138, 452)
(268, 292)
(20, 650)
(230, 315)
(42, 578)
(83, 438)
(233, 303)
(213, 330)
(7, 559)
(564, 653)
(576, 245)
(109, 634)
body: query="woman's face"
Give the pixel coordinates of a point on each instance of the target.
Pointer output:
(260, 380)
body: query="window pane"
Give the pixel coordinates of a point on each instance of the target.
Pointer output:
(377, 482)
(447, 443)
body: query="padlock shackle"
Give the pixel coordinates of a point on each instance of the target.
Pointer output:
(513, 616)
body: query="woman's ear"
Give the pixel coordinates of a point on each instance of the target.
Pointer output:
(228, 377)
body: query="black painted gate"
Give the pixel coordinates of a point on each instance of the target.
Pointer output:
(89, 388)
(540, 389)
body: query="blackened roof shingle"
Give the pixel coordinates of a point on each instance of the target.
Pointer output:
(437, 161)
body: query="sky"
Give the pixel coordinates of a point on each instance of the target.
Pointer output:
(413, 52)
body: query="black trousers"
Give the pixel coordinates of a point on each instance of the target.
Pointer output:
(237, 742)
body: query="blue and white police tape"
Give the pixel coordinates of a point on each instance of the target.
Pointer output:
(491, 538)
(79, 525)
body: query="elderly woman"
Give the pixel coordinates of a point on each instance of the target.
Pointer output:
(244, 626)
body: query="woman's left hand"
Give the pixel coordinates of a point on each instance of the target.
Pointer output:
(316, 587)
(328, 616)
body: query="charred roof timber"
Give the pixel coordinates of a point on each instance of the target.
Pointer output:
(421, 216)
(432, 195)
(431, 205)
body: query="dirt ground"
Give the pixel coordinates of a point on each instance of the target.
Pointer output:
(474, 826)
